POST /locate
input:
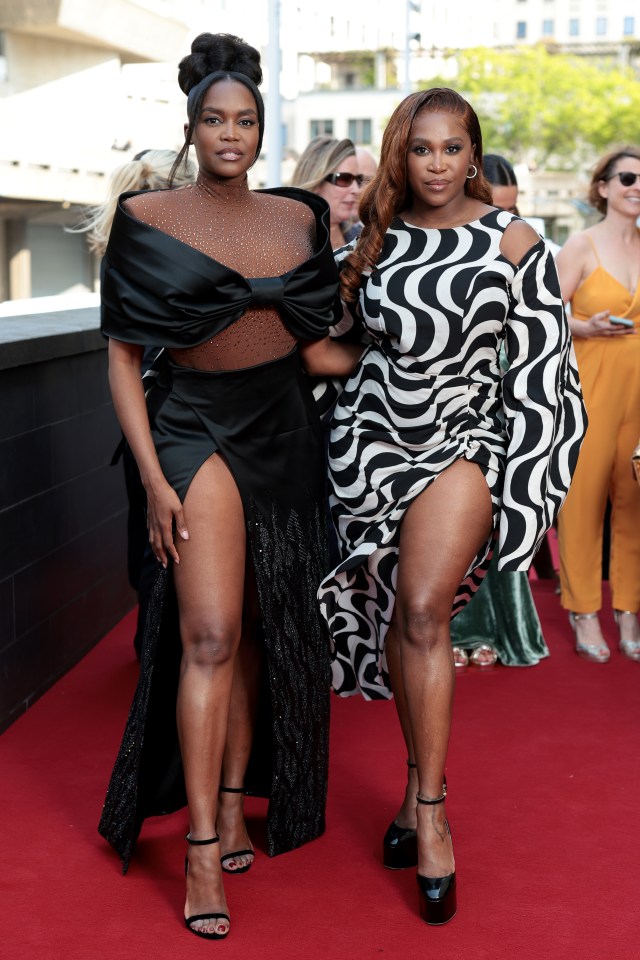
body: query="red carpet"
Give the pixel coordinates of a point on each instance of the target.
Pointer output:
(544, 781)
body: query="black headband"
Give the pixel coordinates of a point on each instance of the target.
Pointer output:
(195, 95)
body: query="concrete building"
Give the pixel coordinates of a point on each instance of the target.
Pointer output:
(71, 99)
(590, 27)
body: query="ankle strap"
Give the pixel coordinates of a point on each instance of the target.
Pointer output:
(431, 803)
(230, 789)
(201, 843)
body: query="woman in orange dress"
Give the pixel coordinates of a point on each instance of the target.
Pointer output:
(599, 273)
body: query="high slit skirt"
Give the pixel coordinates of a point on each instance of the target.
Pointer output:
(263, 422)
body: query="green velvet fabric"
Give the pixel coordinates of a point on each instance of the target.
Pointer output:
(502, 613)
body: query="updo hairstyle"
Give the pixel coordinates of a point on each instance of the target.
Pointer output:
(214, 57)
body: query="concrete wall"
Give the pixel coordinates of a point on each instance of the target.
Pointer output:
(136, 31)
(33, 61)
(63, 580)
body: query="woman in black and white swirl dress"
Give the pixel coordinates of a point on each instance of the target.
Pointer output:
(434, 452)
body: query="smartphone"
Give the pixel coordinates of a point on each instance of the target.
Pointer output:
(622, 321)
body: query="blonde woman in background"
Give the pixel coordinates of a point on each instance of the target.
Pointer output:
(330, 169)
(148, 170)
(599, 272)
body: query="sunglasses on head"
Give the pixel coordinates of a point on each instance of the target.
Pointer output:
(345, 179)
(626, 178)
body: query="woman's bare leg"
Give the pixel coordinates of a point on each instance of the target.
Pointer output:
(406, 816)
(242, 713)
(210, 585)
(441, 533)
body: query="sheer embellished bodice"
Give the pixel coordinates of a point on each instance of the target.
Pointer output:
(256, 234)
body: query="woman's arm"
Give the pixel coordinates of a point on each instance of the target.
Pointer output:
(163, 503)
(330, 358)
(573, 263)
(543, 408)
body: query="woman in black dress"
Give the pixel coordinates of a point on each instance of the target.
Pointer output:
(239, 287)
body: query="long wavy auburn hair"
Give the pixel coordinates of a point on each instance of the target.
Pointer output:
(389, 192)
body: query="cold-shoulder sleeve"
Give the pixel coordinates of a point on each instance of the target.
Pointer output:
(545, 415)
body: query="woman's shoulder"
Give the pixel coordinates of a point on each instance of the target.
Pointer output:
(580, 243)
(582, 240)
(518, 239)
(292, 208)
(286, 203)
(150, 205)
(578, 249)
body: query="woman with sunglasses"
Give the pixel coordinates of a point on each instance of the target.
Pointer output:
(599, 273)
(329, 168)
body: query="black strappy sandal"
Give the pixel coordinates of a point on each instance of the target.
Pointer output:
(203, 916)
(437, 895)
(236, 853)
(400, 844)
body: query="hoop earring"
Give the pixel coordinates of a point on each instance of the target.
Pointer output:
(475, 172)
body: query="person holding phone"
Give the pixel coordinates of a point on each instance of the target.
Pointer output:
(599, 272)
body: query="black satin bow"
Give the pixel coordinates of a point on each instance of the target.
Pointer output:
(157, 289)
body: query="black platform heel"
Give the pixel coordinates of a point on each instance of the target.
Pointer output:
(437, 895)
(236, 853)
(203, 916)
(400, 844)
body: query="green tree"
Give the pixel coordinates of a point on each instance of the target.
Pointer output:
(548, 109)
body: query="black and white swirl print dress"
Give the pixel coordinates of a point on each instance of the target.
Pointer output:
(429, 389)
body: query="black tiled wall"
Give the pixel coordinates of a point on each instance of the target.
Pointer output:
(63, 578)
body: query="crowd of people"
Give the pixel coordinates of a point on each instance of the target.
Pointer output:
(455, 435)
